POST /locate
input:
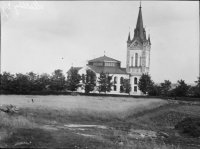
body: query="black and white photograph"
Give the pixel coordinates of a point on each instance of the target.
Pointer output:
(100, 74)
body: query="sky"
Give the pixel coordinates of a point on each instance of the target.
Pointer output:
(60, 34)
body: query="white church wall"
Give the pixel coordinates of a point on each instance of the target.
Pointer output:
(125, 76)
(132, 78)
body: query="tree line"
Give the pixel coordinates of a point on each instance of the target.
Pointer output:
(180, 89)
(58, 82)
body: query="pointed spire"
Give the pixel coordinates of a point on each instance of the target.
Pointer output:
(129, 37)
(139, 26)
(144, 29)
(149, 39)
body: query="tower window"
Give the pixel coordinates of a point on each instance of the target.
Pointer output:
(135, 80)
(147, 61)
(136, 59)
(131, 61)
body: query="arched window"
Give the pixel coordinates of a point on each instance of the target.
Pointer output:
(135, 80)
(136, 59)
(140, 61)
(121, 80)
(115, 87)
(115, 80)
(147, 61)
(121, 89)
(131, 61)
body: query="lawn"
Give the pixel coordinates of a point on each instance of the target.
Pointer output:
(93, 122)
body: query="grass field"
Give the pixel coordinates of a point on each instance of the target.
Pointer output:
(47, 122)
(98, 107)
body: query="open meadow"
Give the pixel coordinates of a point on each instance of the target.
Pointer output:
(93, 122)
(98, 107)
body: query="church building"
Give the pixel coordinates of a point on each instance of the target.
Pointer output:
(137, 61)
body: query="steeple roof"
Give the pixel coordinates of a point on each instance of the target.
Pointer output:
(129, 37)
(139, 30)
(149, 39)
(139, 25)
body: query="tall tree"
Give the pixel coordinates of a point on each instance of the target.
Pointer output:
(58, 82)
(154, 90)
(43, 82)
(126, 86)
(6, 82)
(198, 82)
(89, 81)
(195, 90)
(182, 89)
(104, 82)
(73, 79)
(165, 87)
(33, 80)
(145, 83)
(21, 83)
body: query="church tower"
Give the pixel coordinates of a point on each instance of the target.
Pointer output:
(138, 53)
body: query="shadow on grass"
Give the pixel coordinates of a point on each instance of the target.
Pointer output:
(29, 138)
(38, 138)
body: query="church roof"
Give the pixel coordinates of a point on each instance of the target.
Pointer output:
(124, 69)
(77, 68)
(103, 59)
(110, 70)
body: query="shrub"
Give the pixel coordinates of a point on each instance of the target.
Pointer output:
(190, 126)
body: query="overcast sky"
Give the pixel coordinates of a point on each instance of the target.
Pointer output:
(65, 32)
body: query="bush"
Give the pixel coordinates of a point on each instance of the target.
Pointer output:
(190, 126)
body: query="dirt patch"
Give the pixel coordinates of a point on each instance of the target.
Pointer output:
(85, 126)
(140, 134)
(49, 127)
(143, 134)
